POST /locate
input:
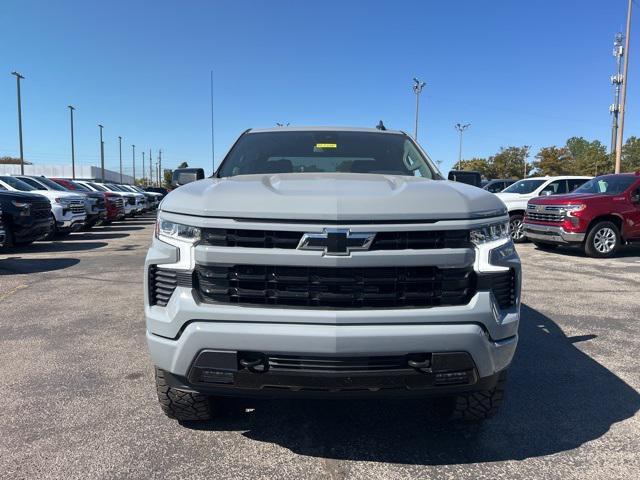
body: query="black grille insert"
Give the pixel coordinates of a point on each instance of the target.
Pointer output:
(502, 284)
(335, 287)
(163, 282)
(424, 239)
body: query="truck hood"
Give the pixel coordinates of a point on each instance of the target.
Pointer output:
(569, 198)
(53, 194)
(332, 197)
(22, 196)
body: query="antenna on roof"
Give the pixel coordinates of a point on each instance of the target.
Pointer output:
(381, 126)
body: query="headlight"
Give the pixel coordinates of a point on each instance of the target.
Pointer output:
(490, 233)
(570, 209)
(178, 231)
(25, 208)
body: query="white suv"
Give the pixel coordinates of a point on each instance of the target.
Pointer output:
(516, 196)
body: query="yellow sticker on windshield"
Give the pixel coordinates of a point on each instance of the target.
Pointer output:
(326, 145)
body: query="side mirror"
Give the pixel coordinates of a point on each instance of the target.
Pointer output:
(635, 197)
(546, 193)
(182, 176)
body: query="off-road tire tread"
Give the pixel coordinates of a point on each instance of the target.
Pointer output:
(478, 406)
(179, 405)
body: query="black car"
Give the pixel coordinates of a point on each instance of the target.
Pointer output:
(498, 185)
(26, 217)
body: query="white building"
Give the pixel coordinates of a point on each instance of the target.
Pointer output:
(64, 171)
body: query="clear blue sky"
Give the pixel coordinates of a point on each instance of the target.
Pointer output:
(531, 73)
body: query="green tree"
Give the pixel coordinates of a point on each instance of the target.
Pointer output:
(631, 155)
(168, 177)
(12, 161)
(183, 165)
(554, 161)
(509, 162)
(590, 158)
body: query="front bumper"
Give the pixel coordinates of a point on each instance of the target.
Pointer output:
(551, 234)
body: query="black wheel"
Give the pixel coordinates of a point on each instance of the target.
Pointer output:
(474, 406)
(603, 240)
(516, 227)
(545, 246)
(9, 241)
(179, 405)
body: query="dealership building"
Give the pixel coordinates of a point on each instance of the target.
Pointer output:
(83, 172)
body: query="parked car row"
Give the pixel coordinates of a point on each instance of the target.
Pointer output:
(38, 208)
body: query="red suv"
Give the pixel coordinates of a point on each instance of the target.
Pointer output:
(601, 215)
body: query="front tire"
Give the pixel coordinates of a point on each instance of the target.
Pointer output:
(54, 229)
(180, 405)
(603, 240)
(474, 406)
(516, 228)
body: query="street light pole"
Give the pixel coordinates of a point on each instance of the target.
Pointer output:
(18, 78)
(142, 177)
(623, 93)
(461, 128)
(73, 149)
(160, 174)
(120, 151)
(133, 156)
(150, 181)
(101, 155)
(417, 89)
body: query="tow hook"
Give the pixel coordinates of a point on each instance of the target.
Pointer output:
(260, 365)
(423, 365)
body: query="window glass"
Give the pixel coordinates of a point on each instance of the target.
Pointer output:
(575, 183)
(17, 183)
(325, 151)
(33, 183)
(524, 186)
(556, 188)
(607, 184)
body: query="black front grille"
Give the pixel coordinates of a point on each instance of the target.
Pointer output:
(131, 200)
(341, 364)
(41, 213)
(163, 282)
(502, 284)
(335, 287)
(426, 239)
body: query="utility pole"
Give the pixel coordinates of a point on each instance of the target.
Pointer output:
(18, 78)
(120, 149)
(461, 128)
(133, 157)
(623, 93)
(213, 160)
(150, 182)
(160, 173)
(101, 155)
(142, 178)
(417, 89)
(157, 175)
(616, 81)
(73, 149)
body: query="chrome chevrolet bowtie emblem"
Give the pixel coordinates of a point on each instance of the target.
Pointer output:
(336, 241)
(540, 208)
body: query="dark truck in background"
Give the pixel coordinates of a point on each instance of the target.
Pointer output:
(26, 217)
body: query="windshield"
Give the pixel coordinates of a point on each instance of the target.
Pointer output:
(524, 186)
(100, 188)
(52, 185)
(115, 188)
(607, 185)
(325, 151)
(17, 184)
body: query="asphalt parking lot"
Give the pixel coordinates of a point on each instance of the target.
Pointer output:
(78, 398)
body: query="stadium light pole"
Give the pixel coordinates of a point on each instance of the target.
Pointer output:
(623, 93)
(461, 128)
(417, 89)
(101, 155)
(18, 78)
(120, 152)
(133, 157)
(73, 148)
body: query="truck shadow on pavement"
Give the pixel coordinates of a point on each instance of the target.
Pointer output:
(624, 252)
(56, 246)
(18, 265)
(558, 398)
